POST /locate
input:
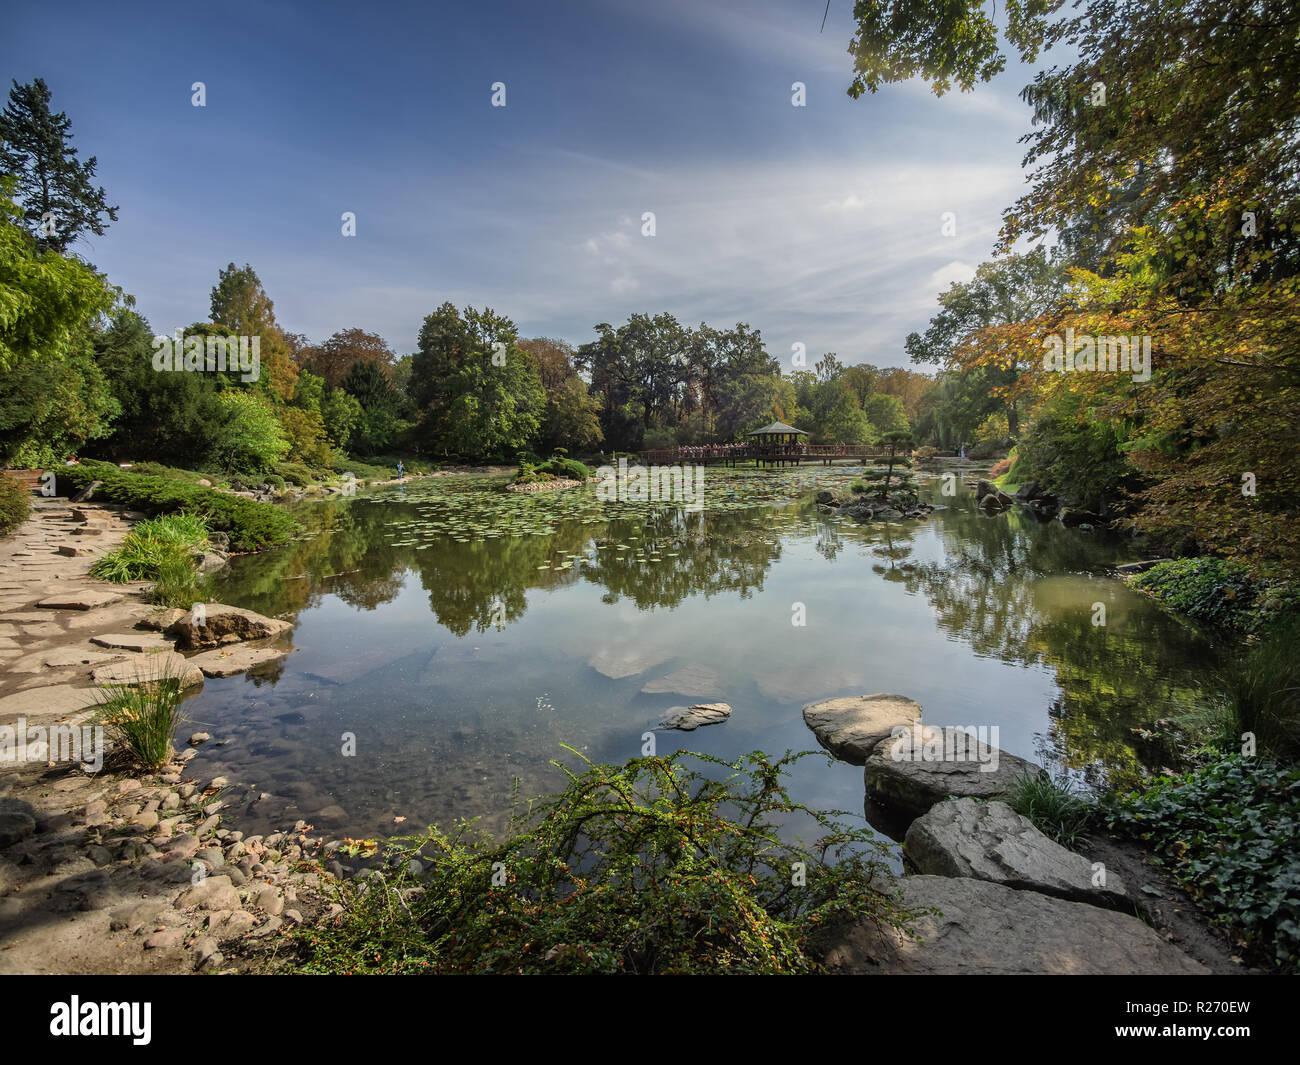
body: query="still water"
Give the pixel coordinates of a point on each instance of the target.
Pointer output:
(462, 634)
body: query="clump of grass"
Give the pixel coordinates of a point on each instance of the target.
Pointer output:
(140, 719)
(1054, 807)
(648, 867)
(1261, 696)
(178, 583)
(151, 544)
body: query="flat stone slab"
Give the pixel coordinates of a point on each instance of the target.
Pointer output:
(909, 773)
(689, 718)
(851, 728)
(236, 660)
(222, 624)
(133, 641)
(989, 930)
(86, 600)
(990, 841)
(148, 668)
(52, 700)
(703, 682)
(62, 658)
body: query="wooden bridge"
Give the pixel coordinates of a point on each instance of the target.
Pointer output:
(765, 454)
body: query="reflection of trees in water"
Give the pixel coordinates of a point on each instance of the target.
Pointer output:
(348, 551)
(344, 551)
(1003, 591)
(715, 553)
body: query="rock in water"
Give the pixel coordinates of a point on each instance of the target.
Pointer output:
(223, 624)
(987, 929)
(689, 718)
(910, 772)
(850, 728)
(990, 841)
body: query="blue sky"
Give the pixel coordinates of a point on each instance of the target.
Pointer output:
(818, 225)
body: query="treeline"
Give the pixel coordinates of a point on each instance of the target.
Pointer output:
(1163, 156)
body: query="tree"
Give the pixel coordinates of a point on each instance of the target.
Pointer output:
(53, 396)
(886, 413)
(477, 392)
(59, 199)
(248, 439)
(165, 415)
(572, 417)
(1014, 289)
(344, 350)
(241, 305)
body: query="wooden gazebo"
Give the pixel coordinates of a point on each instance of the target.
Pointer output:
(777, 443)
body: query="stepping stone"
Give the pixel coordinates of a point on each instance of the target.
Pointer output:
(689, 718)
(987, 929)
(75, 656)
(148, 668)
(234, 661)
(909, 774)
(75, 551)
(49, 701)
(990, 841)
(133, 641)
(852, 727)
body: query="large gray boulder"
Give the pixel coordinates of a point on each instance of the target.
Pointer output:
(986, 929)
(851, 727)
(990, 841)
(914, 769)
(223, 624)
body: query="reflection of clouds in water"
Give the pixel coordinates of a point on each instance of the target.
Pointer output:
(993, 620)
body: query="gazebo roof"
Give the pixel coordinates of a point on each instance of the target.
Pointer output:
(778, 429)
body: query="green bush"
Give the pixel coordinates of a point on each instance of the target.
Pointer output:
(1227, 833)
(249, 524)
(15, 504)
(648, 867)
(565, 467)
(297, 472)
(1220, 593)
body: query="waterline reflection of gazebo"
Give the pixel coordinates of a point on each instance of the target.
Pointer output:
(777, 443)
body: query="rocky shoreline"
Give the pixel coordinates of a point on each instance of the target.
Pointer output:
(118, 872)
(1009, 898)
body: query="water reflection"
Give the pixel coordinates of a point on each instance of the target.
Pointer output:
(463, 634)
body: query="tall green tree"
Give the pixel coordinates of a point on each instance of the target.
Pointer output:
(478, 392)
(53, 397)
(59, 199)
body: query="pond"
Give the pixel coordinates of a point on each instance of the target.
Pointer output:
(460, 635)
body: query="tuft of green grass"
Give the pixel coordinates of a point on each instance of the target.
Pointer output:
(1054, 807)
(150, 545)
(1261, 696)
(141, 719)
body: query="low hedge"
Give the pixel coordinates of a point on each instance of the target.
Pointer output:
(250, 525)
(15, 504)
